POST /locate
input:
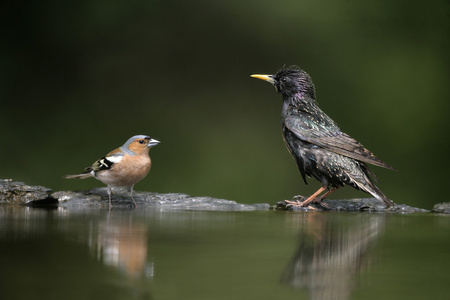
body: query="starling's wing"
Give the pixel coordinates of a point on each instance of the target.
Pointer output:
(334, 140)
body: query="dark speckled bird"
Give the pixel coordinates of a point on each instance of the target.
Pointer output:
(320, 149)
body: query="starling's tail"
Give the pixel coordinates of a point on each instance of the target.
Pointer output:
(382, 197)
(371, 188)
(80, 176)
(367, 184)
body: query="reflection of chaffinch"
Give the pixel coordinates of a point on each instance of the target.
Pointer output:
(124, 166)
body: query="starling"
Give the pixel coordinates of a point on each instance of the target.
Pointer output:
(320, 149)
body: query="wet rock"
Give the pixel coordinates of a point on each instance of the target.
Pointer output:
(98, 197)
(357, 204)
(442, 208)
(19, 193)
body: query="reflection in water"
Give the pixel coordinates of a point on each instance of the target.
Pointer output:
(18, 222)
(332, 251)
(118, 241)
(122, 244)
(135, 253)
(47, 242)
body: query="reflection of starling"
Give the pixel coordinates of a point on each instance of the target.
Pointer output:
(332, 253)
(318, 146)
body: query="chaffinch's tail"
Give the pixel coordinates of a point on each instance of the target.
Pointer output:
(80, 176)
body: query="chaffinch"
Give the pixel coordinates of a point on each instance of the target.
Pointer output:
(124, 166)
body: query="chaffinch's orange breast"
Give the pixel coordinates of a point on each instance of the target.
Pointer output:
(127, 172)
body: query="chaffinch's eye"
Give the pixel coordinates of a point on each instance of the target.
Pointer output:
(141, 141)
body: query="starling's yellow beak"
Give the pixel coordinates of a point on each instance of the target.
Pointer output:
(268, 78)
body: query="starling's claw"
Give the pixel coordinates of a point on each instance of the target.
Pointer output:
(298, 203)
(292, 203)
(307, 205)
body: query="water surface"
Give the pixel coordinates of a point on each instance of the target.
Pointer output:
(163, 254)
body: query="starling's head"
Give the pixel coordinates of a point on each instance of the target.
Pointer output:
(291, 81)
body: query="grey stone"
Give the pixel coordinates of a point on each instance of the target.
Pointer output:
(19, 193)
(98, 197)
(442, 208)
(356, 204)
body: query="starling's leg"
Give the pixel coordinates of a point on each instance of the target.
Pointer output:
(313, 197)
(319, 200)
(131, 195)
(327, 193)
(309, 199)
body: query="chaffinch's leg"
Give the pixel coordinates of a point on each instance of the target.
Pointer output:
(109, 194)
(131, 195)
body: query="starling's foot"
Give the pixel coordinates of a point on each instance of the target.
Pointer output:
(308, 205)
(298, 203)
(293, 203)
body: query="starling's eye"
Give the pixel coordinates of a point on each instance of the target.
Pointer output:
(283, 79)
(141, 141)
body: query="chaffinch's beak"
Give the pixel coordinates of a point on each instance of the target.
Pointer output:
(152, 143)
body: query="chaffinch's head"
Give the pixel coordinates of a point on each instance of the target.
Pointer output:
(138, 144)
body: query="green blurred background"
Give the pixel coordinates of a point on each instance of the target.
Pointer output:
(78, 78)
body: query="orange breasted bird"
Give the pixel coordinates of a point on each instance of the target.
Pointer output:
(320, 149)
(124, 166)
